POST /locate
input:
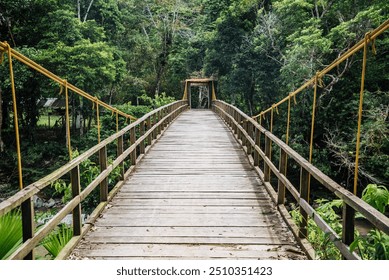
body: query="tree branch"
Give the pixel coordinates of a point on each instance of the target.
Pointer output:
(87, 11)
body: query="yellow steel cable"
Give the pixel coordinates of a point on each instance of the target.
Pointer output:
(185, 97)
(2, 52)
(287, 134)
(68, 121)
(288, 124)
(312, 132)
(213, 91)
(313, 119)
(373, 48)
(16, 122)
(373, 34)
(117, 121)
(50, 75)
(360, 111)
(271, 119)
(98, 122)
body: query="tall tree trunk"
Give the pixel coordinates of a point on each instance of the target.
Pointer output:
(79, 10)
(87, 11)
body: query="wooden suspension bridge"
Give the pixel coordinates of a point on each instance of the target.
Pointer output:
(194, 195)
(198, 184)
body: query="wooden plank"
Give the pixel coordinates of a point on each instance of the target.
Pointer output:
(192, 195)
(189, 251)
(275, 232)
(195, 202)
(262, 240)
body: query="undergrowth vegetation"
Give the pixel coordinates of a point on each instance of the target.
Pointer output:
(372, 246)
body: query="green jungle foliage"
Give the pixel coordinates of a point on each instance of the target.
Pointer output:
(372, 246)
(376, 196)
(57, 240)
(10, 233)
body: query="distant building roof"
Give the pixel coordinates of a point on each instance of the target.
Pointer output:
(51, 103)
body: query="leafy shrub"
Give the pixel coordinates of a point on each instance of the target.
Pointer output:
(374, 246)
(376, 196)
(57, 240)
(320, 241)
(89, 170)
(10, 233)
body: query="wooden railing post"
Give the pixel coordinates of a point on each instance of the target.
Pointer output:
(76, 188)
(150, 137)
(132, 141)
(229, 112)
(239, 119)
(163, 116)
(256, 154)
(266, 167)
(348, 224)
(233, 123)
(28, 225)
(141, 133)
(249, 129)
(159, 118)
(153, 122)
(304, 194)
(282, 169)
(244, 138)
(120, 149)
(103, 166)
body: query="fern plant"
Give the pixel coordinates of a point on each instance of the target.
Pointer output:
(10, 233)
(57, 240)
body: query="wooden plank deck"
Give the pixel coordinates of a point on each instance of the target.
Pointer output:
(193, 196)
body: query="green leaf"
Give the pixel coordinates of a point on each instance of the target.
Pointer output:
(10, 233)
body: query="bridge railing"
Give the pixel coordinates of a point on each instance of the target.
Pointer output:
(249, 134)
(149, 128)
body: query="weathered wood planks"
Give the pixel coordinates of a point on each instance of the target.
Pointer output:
(193, 196)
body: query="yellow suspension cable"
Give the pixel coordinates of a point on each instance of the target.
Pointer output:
(271, 119)
(213, 91)
(312, 132)
(30, 63)
(313, 119)
(69, 143)
(357, 47)
(360, 111)
(2, 52)
(185, 97)
(98, 122)
(117, 121)
(16, 122)
(288, 124)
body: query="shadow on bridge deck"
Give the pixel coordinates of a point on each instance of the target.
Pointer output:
(193, 196)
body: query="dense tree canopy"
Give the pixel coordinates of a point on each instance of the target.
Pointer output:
(260, 50)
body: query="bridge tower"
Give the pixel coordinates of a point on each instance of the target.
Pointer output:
(207, 87)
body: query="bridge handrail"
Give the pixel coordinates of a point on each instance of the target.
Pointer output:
(249, 132)
(150, 126)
